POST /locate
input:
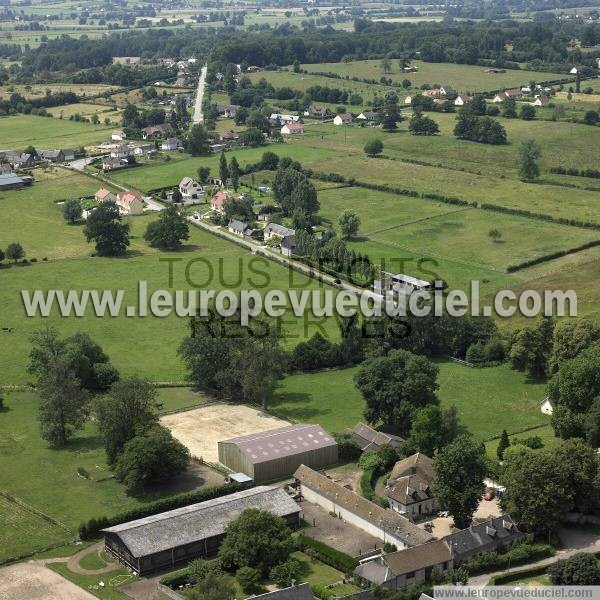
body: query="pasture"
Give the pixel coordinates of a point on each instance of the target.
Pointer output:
(32, 217)
(202, 428)
(463, 78)
(205, 262)
(39, 90)
(87, 110)
(488, 400)
(161, 173)
(20, 131)
(47, 480)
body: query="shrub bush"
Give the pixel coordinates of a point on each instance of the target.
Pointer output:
(330, 556)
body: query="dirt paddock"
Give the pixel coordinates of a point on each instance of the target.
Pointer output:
(26, 581)
(200, 429)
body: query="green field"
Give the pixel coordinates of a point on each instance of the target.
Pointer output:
(463, 78)
(47, 480)
(87, 110)
(38, 90)
(46, 133)
(488, 400)
(223, 265)
(45, 234)
(159, 173)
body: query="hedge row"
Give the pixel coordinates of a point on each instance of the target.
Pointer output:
(176, 579)
(451, 200)
(518, 575)
(92, 528)
(551, 256)
(593, 173)
(518, 554)
(328, 555)
(519, 212)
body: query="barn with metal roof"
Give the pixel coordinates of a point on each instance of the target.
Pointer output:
(276, 454)
(178, 536)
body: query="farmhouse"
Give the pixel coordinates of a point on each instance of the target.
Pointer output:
(367, 115)
(370, 440)
(408, 489)
(112, 164)
(130, 202)
(277, 230)
(277, 453)
(288, 245)
(507, 94)
(280, 118)
(382, 523)
(292, 128)
(547, 406)
(396, 284)
(144, 149)
(155, 131)
(398, 570)
(541, 101)
(18, 159)
(171, 144)
(102, 195)
(189, 188)
(240, 228)
(121, 151)
(177, 536)
(409, 99)
(217, 202)
(319, 112)
(118, 136)
(343, 119)
(55, 156)
(228, 136)
(462, 99)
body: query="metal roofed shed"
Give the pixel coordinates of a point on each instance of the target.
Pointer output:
(178, 536)
(277, 453)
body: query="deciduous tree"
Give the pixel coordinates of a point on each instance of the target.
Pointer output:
(104, 227)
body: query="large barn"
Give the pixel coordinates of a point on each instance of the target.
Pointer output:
(178, 536)
(276, 454)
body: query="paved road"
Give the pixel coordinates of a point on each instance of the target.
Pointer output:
(198, 116)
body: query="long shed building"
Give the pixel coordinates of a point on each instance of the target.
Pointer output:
(276, 454)
(178, 536)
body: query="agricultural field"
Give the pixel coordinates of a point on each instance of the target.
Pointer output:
(463, 78)
(47, 479)
(218, 264)
(45, 234)
(87, 110)
(20, 131)
(162, 173)
(38, 90)
(488, 400)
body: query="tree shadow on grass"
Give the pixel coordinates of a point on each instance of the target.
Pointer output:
(86, 443)
(303, 411)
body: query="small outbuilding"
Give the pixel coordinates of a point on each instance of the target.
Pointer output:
(276, 454)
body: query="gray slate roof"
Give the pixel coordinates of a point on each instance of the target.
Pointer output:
(10, 179)
(279, 229)
(487, 535)
(198, 521)
(294, 592)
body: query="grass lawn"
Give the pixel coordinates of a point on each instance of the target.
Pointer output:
(163, 173)
(47, 480)
(92, 561)
(546, 434)
(462, 78)
(87, 110)
(218, 264)
(177, 398)
(91, 583)
(44, 232)
(20, 131)
(319, 574)
(488, 400)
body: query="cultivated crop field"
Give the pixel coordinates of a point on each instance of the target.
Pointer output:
(20, 131)
(462, 78)
(87, 110)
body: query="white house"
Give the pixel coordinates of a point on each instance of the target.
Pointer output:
(574, 71)
(546, 406)
(130, 202)
(190, 189)
(171, 144)
(462, 99)
(121, 151)
(144, 149)
(292, 128)
(409, 99)
(541, 101)
(343, 119)
(283, 118)
(118, 136)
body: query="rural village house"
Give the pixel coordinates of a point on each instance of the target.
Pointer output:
(343, 119)
(190, 189)
(292, 128)
(408, 488)
(240, 228)
(370, 440)
(130, 202)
